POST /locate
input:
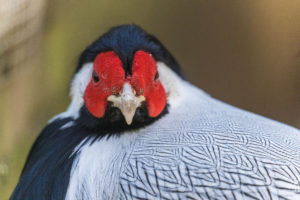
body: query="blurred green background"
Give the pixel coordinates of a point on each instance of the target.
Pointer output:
(246, 53)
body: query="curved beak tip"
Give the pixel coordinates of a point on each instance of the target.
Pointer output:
(128, 120)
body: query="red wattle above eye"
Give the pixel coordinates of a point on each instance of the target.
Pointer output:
(111, 75)
(143, 80)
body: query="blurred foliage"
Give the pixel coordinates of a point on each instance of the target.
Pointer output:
(242, 52)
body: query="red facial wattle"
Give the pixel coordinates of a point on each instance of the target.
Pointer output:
(143, 80)
(111, 75)
(108, 67)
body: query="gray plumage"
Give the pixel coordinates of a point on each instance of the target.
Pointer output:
(203, 149)
(213, 151)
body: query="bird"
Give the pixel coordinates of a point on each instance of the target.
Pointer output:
(136, 128)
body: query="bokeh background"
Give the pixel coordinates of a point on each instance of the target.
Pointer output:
(246, 53)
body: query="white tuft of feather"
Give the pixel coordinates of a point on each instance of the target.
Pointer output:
(78, 86)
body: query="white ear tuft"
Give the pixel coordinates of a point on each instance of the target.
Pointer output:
(79, 83)
(78, 86)
(171, 82)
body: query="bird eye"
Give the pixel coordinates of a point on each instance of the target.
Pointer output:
(156, 76)
(95, 77)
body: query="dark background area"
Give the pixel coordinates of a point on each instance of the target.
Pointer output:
(246, 53)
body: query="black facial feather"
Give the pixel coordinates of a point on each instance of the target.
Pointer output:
(125, 40)
(113, 122)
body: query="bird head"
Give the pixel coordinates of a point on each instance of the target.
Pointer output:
(123, 80)
(127, 92)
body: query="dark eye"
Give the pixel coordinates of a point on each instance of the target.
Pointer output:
(156, 76)
(95, 77)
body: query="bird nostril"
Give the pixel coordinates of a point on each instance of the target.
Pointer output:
(115, 92)
(140, 92)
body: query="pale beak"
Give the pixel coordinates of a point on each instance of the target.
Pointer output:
(127, 102)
